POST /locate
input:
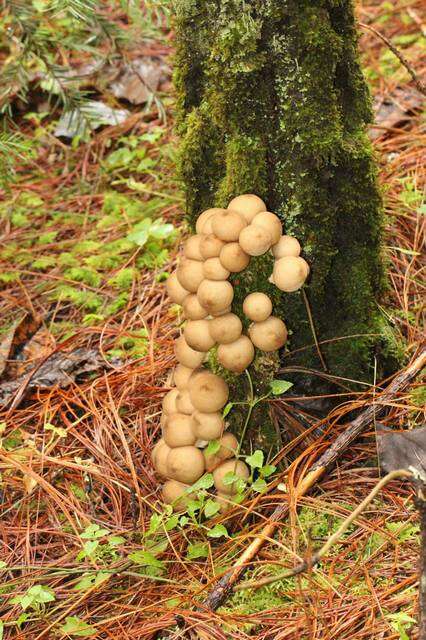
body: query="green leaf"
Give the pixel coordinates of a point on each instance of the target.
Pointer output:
(146, 559)
(75, 626)
(154, 523)
(114, 541)
(1, 629)
(160, 230)
(183, 520)
(3, 564)
(280, 386)
(205, 482)
(218, 531)
(197, 550)
(268, 470)
(211, 508)
(171, 522)
(255, 461)
(259, 485)
(93, 531)
(90, 580)
(59, 431)
(227, 409)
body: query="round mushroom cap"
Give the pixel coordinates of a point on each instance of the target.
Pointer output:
(191, 248)
(226, 328)
(192, 309)
(185, 355)
(286, 246)
(254, 240)
(248, 205)
(269, 335)
(159, 458)
(175, 291)
(257, 306)
(203, 217)
(208, 392)
(233, 466)
(215, 295)
(236, 356)
(271, 223)
(211, 246)
(181, 375)
(214, 270)
(228, 225)
(184, 404)
(290, 273)
(190, 274)
(176, 494)
(178, 431)
(233, 258)
(225, 502)
(228, 449)
(197, 335)
(185, 464)
(169, 401)
(207, 426)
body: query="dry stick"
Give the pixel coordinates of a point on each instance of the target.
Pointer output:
(316, 557)
(419, 84)
(421, 506)
(227, 582)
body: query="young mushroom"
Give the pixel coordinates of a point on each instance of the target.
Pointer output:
(233, 258)
(290, 273)
(269, 335)
(226, 328)
(192, 309)
(211, 246)
(176, 494)
(236, 356)
(208, 392)
(228, 449)
(197, 335)
(159, 457)
(207, 426)
(248, 205)
(286, 246)
(191, 248)
(228, 224)
(234, 467)
(271, 223)
(175, 291)
(181, 375)
(215, 295)
(190, 274)
(187, 356)
(169, 401)
(214, 270)
(185, 464)
(178, 431)
(254, 240)
(257, 306)
(184, 404)
(203, 217)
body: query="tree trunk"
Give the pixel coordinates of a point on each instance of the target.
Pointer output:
(272, 101)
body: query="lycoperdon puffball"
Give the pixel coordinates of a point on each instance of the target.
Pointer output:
(257, 306)
(208, 392)
(254, 240)
(286, 246)
(248, 205)
(271, 223)
(290, 273)
(269, 335)
(236, 356)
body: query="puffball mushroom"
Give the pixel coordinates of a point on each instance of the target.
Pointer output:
(178, 431)
(236, 356)
(190, 274)
(169, 401)
(271, 223)
(191, 248)
(185, 464)
(203, 217)
(269, 335)
(207, 426)
(248, 205)
(211, 246)
(197, 335)
(257, 306)
(176, 494)
(226, 328)
(228, 224)
(184, 404)
(187, 356)
(214, 270)
(160, 455)
(176, 292)
(192, 309)
(208, 392)
(225, 502)
(181, 376)
(237, 468)
(254, 240)
(233, 258)
(286, 246)
(228, 448)
(215, 295)
(290, 273)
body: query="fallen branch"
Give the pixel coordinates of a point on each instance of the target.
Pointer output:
(228, 581)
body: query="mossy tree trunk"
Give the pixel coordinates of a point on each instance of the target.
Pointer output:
(272, 101)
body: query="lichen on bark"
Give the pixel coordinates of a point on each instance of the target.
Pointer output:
(271, 100)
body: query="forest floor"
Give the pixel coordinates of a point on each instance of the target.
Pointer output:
(89, 232)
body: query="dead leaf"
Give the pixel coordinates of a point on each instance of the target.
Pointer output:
(29, 483)
(138, 80)
(402, 450)
(394, 109)
(14, 342)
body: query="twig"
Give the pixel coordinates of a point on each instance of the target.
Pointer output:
(421, 506)
(227, 582)
(419, 84)
(314, 333)
(316, 557)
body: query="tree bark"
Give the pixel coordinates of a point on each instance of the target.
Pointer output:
(272, 101)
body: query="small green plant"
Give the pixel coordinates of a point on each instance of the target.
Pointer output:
(75, 627)
(36, 597)
(99, 544)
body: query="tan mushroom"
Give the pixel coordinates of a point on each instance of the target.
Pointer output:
(181, 375)
(191, 248)
(187, 356)
(175, 291)
(271, 223)
(215, 295)
(214, 270)
(192, 309)
(211, 246)
(233, 258)
(236, 356)
(197, 335)
(183, 403)
(185, 464)
(269, 335)
(248, 205)
(160, 454)
(176, 494)
(190, 274)
(228, 449)
(257, 306)
(169, 401)
(290, 273)
(286, 246)
(208, 426)
(208, 392)
(254, 240)
(233, 466)
(228, 225)
(178, 431)
(226, 328)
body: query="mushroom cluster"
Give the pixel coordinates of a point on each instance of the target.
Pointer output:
(224, 243)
